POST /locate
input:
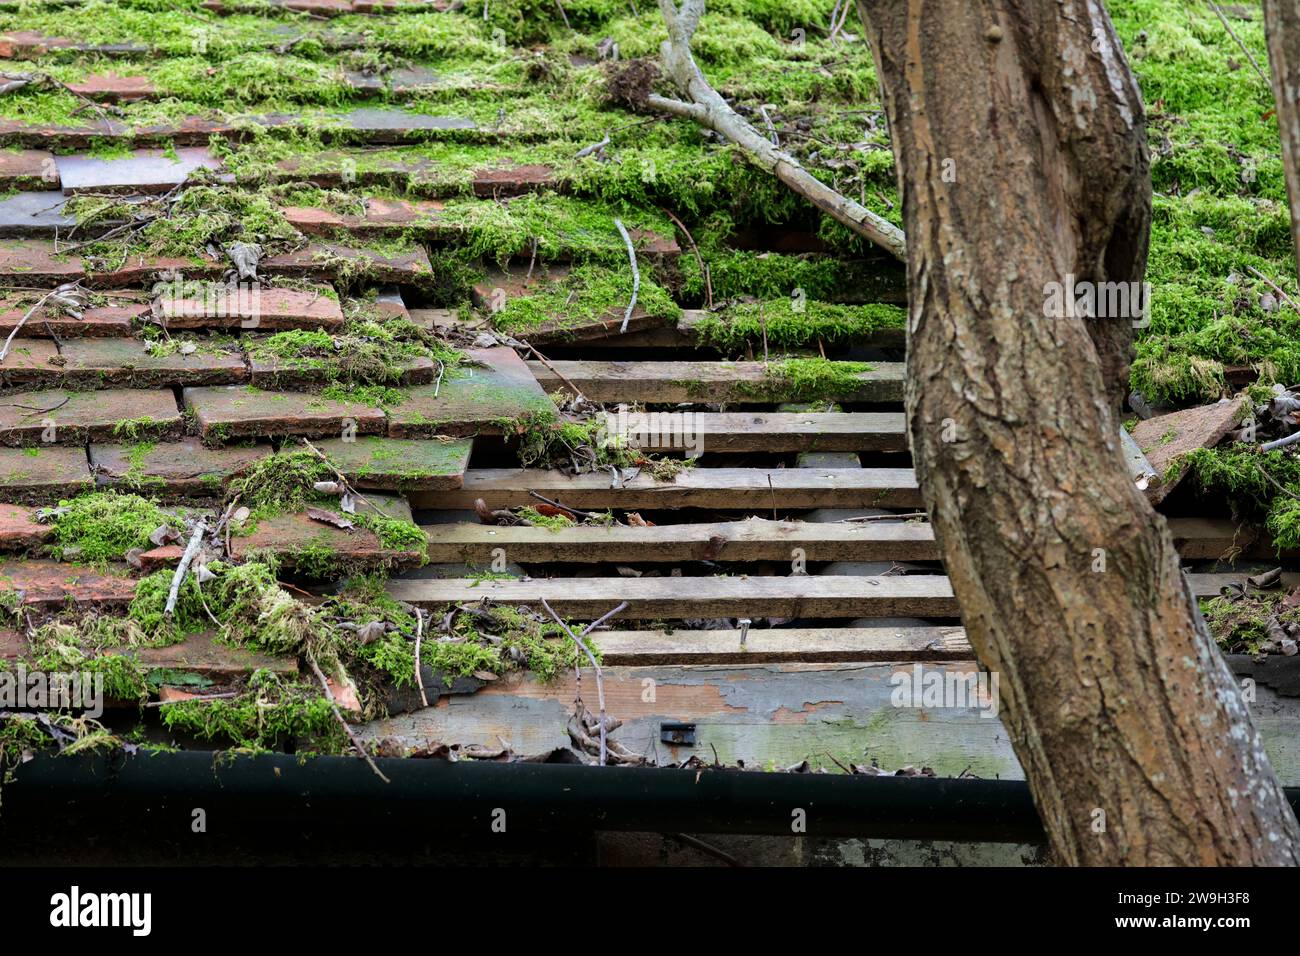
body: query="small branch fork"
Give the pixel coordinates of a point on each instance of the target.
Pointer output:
(600, 678)
(705, 106)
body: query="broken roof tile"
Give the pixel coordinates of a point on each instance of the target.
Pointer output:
(42, 474)
(240, 411)
(488, 397)
(143, 171)
(58, 417)
(393, 464)
(1166, 438)
(182, 469)
(321, 548)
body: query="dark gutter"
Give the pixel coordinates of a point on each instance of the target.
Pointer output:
(553, 797)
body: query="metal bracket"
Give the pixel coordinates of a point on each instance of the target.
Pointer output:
(679, 735)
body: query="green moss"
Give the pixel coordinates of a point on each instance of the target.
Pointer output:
(271, 710)
(103, 526)
(1241, 626)
(521, 640)
(795, 323)
(587, 295)
(1244, 476)
(539, 520)
(279, 483)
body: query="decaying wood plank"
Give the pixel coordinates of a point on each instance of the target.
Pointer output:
(727, 488)
(760, 539)
(740, 596)
(712, 432)
(783, 645)
(670, 382)
(754, 539)
(766, 715)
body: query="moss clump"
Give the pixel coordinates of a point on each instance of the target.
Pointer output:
(812, 379)
(499, 639)
(1242, 626)
(201, 216)
(270, 710)
(588, 294)
(279, 483)
(795, 323)
(1251, 480)
(364, 362)
(104, 525)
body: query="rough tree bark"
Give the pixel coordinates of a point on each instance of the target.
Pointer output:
(1282, 27)
(1116, 699)
(709, 109)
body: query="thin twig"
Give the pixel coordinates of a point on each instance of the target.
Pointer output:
(889, 517)
(593, 148)
(21, 322)
(1233, 33)
(695, 249)
(347, 729)
(554, 371)
(190, 700)
(707, 848)
(1280, 443)
(556, 504)
(419, 637)
(437, 386)
(636, 274)
(771, 130)
(773, 492)
(563, 14)
(347, 485)
(191, 551)
(1276, 288)
(600, 679)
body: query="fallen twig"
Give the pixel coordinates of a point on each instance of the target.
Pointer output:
(419, 637)
(556, 504)
(1233, 33)
(187, 558)
(636, 274)
(347, 485)
(60, 293)
(593, 148)
(600, 680)
(704, 271)
(891, 517)
(1276, 288)
(347, 728)
(708, 108)
(577, 392)
(191, 700)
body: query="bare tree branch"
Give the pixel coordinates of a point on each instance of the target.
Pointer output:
(708, 108)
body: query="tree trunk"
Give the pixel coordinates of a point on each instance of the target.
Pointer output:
(1282, 27)
(1018, 133)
